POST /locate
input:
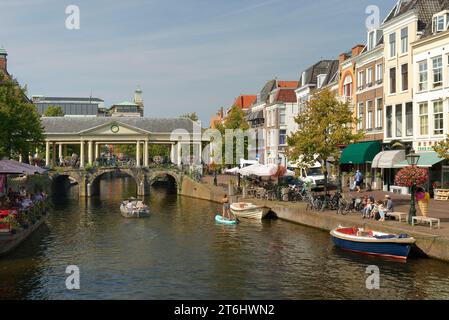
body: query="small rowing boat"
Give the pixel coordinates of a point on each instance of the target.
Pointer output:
(375, 243)
(133, 208)
(219, 219)
(249, 211)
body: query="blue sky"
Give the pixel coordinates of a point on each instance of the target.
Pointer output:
(187, 55)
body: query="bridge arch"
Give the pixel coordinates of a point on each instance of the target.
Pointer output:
(95, 178)
(172, 176)
(62, 182)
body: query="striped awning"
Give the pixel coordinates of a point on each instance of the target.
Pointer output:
(388, 159)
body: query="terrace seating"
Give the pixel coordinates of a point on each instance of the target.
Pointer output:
(421, 219)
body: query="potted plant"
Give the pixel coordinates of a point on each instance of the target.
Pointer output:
(378, 181)
(368, 181)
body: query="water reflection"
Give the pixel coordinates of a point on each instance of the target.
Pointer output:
(180, 252)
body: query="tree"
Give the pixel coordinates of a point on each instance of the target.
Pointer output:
(20, 126)
(442, 148)
(192, 116)
(324, 125)
(54, 111)
(235, 120)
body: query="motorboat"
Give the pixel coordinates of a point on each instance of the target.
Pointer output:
(133, 208)
(375, 243)
(248, 210)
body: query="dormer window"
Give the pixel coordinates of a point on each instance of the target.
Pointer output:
(371, 39)
(440, 22)
(320, 80)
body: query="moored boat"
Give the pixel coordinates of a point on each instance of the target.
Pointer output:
(375, 243)
(248, 210)
(133, 208)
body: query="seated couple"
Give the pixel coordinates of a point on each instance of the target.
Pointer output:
(377, 210)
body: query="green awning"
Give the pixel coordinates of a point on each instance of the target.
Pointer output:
(360, 153)
(426, 160)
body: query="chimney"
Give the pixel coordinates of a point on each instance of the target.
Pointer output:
(3, 60)
(343, 57)
(357, 50)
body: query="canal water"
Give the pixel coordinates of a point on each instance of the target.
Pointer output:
(181, 253)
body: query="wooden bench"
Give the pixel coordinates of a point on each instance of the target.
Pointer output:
(431, 221)
(397, 215)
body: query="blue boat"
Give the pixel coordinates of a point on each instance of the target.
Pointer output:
(373, 242)
(219, 219)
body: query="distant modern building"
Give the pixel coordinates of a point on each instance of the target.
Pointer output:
(71, 107)
(129, 109)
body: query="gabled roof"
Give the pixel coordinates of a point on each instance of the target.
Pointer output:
(287, 84)
(69, 125)
(428, 30)
(285, 95)
(244, 101)
(275, 84)
(327, 67)
(425, 8)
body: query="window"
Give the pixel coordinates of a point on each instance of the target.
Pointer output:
(438, 117)
(369, 77)
(404, 77)
(398, 120)
(347, 89)
(422, 76)
(371, 40)
(393, 80)
(282, 117)
(369, 115)
(438, 24)
(404, 40)
(360, 80)
(320, 80)
(392, 45)
(379, 114)
(437, 64)
(423, 119)
(379, 73)
(389, 116)
(282, 137)
(409, 119)
(360, 116)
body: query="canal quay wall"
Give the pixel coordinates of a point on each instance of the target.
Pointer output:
(432, 242)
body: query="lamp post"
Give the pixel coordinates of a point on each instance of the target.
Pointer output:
(412, 160)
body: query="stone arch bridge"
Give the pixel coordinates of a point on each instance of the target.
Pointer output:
(89, 180)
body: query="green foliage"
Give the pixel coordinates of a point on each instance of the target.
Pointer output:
(158, 150)
(235, 120)
(324, 125)
(192, 116)
(54, 111)
(442, 148)
(20, 125)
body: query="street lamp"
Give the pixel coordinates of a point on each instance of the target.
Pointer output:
(412, 160)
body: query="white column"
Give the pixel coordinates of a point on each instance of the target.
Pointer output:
(178, 159)
(47, 153)
(90, 152)
(145, 154)
(53, 162)
(138, 154)
(61, 156)
(97, 150)
(199, 161)
(172, 153)
(82, 154)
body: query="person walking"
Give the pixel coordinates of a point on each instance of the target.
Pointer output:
(358, 180)
(423, 197)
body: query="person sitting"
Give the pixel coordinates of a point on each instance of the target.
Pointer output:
(130, 205)
(22, 191)
(388, 205)
(382, 209)
(366, 211)
(27, 202)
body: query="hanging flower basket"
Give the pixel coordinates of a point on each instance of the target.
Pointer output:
(410, 176)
